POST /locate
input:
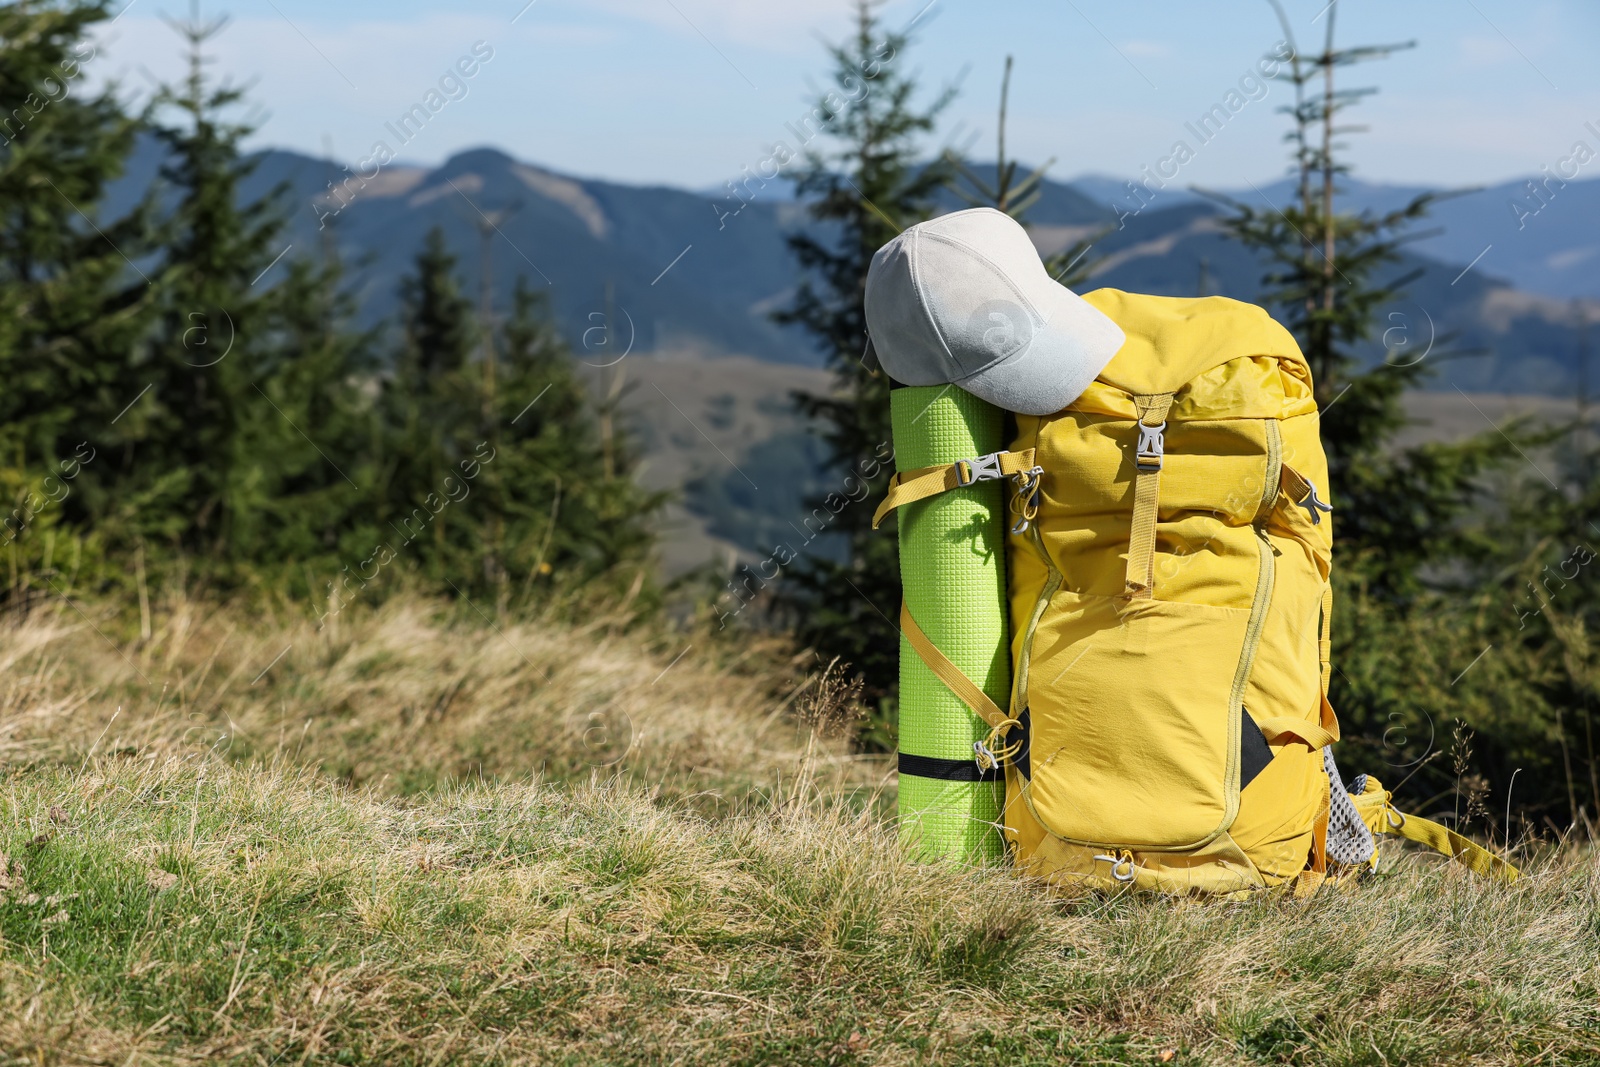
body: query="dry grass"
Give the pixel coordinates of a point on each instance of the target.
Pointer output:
(173, 900)
(409, 696)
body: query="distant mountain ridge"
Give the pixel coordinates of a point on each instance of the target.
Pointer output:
(702, 271)
(1542, 235)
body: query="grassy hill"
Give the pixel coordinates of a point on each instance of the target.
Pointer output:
(415, 837)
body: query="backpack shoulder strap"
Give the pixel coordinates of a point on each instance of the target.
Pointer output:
(1447, 842)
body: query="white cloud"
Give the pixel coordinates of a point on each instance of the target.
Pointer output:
(761, 23)
(345, 80)
(386, 62)
(1145, 49)
(1485, 51)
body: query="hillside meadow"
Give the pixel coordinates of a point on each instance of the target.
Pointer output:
(424, 835)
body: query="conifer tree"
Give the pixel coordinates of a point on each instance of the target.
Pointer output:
(436, 314)
(866, 186)
(1329, 274)
(77, 289)
(1014, 196)
(308, 493)
(567, 519)
(239, 456)
(509, 498)
(431, 402)
(188, 460)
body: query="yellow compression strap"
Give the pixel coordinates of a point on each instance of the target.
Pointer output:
(1325, 638)
(908, 486)
(1281, 726)
(948, 673)
(1446, 841)
(1293, 483)
(1139, 583)
(1302, 491)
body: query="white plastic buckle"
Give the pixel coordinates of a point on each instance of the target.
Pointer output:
(1152, 446)
(1315, 505)
(985, 759)
(984, 468)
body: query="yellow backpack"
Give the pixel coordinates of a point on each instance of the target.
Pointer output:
(1169, 607)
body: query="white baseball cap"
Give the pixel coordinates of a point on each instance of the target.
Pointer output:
(964, 299)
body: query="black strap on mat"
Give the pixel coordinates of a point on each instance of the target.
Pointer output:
(948, 770)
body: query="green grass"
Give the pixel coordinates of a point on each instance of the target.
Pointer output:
(169, 899)
(592, 925)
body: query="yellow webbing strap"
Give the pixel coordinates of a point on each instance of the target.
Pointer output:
(1312, 878)
(948, 673)
(1302, 491)
(1281, 726)
(1446, 841)
(1293, 483)
(1325, 639)
(1325, 732)
(908, 486)
(1139, 583)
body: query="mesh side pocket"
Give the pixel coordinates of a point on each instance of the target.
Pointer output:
(1349, 841)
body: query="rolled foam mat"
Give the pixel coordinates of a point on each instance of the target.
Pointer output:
(952, 565)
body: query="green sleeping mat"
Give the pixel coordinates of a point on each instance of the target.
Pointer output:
(952, 565)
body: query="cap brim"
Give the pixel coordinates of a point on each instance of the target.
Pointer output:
(1067, 353)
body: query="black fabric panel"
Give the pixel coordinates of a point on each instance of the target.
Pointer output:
(1020, 733)
(1254, 752)
(949, 770)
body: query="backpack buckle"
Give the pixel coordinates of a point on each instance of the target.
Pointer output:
(1152, 446)
(1121, 866)
(984, 468)
(1025, 504)
(1315, 506)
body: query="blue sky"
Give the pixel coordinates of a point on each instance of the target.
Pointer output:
(685, 92)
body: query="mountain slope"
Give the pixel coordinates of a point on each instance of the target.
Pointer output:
(1543, 239)
(1508, 340)
(679, 276)
(691, 272)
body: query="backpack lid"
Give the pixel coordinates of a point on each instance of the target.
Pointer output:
(1173, 340)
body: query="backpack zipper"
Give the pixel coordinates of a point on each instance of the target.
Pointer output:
(1266, 579)
(1051, 584)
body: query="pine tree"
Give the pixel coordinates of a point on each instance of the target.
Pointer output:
(1072, 264)
(1006, 193)
(571, 514)
(436, 314)
(74, 298)
(431, 407)
(307, 498)
(189, 466)
(1329, 275)
(865, 188)
(510, 497)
